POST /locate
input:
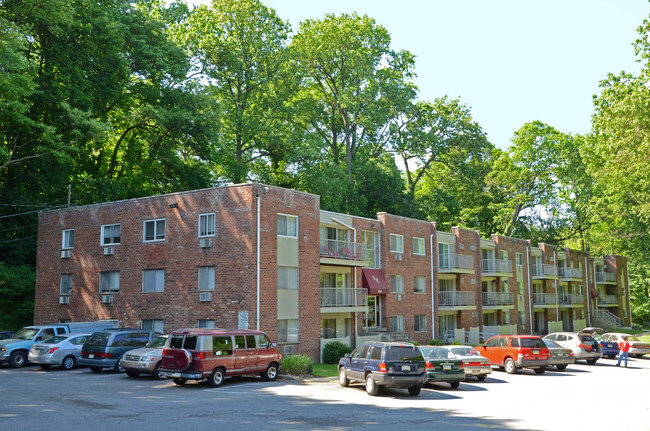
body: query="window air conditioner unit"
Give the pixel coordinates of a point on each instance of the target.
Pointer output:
(65, 254)
(107, 299)
(288, 350)
(398, 256)
(64, 299)
(205, 296)
(205, 242)
(398, 297)
(108, 251)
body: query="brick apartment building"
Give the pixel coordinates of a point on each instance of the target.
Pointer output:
(258, 256)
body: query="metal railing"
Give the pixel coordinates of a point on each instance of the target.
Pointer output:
(498, 298)
(342, 249)
(610, 319)
(545, 299)
(343, 297)
(608, 300)
(455, 299)
(450, 261)
(568, 273)
(568, 298)
(603, 277)
(542, 269)
(494, 266)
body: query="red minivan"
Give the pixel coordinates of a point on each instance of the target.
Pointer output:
(516, 351)
(213, 354)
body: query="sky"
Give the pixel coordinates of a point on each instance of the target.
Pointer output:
(510, 61)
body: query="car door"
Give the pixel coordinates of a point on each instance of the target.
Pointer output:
(490, 350)
(358, 361)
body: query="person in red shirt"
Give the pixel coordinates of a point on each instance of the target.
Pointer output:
(624, 347)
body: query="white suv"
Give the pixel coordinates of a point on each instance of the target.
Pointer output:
(583, 344)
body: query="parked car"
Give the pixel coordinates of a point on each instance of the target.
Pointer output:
(5, 335)
(380, 364)
(474, 364)
(560, 357)
(638, 348)
(513, 352)
(147, 359)
(608, 347)
(442, 366)
(104, 349)
(63, 350)
(582, 343)
(214, 354)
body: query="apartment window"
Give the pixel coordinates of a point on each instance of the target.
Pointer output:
(328, 328)
(445, 285)
(288, 331)
(334, 280)
(153, 280)
(287, 277)
(506, 318)
(206, 323)
(520, 260)
(397, 323)
(154, 230)
(396, 243)
(287, 225)
(67, 241)
(371, 241)
(207, 223)
(66, 284)
(111, 234)
(397, 283)
(443, 256)
(420, 323)
(109, 282)
(504, 254)
(153, 325)
(505, 286)
(206, 278)
(419, 284)
(520, 285)
(418, 246)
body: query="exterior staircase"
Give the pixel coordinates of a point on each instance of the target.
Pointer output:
(605, 319)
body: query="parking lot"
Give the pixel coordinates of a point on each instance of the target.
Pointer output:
(583, 397)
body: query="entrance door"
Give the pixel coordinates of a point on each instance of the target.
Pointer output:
(372, 318)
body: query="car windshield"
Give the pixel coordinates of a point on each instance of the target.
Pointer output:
(630, 338)
(403, 353)
(25, 334)
(551, 343)
(157, 343)
(465, 351)
(99, 339)
(436, 353)
(56, 339)
(531, 342)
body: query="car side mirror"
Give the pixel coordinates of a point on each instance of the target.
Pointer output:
(347, 355)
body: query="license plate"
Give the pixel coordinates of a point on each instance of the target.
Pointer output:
(446, 367)
(535, 352)
(476, 372)
(176, 374)
(406, 368)
(91, 356)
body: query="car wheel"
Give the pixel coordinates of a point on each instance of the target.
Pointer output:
(561, 367)
(271, 372)
(371, 387)
(179, 382)
(509, 366)
(45, 366)
(118, 368)
(415, 390)
(343, 378)
(156, 372)
(96, 369)
(68, 362)
(539, 370)
(481, 377)
(17, 359)
(216, 378)
(611, 356)
(132, 373)
(638, 356)
(454, 385)
(591, 361)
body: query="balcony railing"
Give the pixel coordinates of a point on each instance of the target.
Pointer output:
(545, 299)
(498, 298)
(343, 297)
(542, 270)
(608, 300)
(604, 277)
(495, 266)
(342, 249)
(568, 273)
(456, 299)
(567, 298)
(451, 261)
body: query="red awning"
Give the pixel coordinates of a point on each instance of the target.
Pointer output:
(593, 292)
(374, 281)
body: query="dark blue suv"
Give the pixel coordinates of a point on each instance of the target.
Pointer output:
(378, 364)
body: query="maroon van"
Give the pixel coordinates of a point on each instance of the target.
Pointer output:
(213, 354)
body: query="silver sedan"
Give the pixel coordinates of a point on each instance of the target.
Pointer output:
(63, 350)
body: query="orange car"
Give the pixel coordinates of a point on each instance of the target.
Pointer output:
(516, 351)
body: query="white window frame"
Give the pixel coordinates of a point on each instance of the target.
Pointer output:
(206, 276)
(65, 287)
(396, 283)
(288, 277)
(373, 251)
(157, 236)
(396, 243)
(113, 279)
(158, 280)
(112, 234)
(288, 331)
(422, 324)
(421, 249)
(156, 325)
(444, 255)
(207, 225)
(422, 282)
(519, 260)
(284, 228)
(67, 239)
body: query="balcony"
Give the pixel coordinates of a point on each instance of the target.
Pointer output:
(346, 253)
(498, 299)
(605, 277)
(542, 271)
(570, 273)
(608, 301)
(452, 262)
(571, 299)
(457, 300)
(496, 267)
(545, 300)
(343, 299)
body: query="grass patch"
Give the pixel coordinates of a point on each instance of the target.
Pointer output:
(324, 370)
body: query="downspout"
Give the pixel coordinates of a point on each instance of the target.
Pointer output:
(433, 309)
(587, 290)
(356, 320)
(627, 292)
(557, 281)
(595, 287)
(530, 295)
(257, 287)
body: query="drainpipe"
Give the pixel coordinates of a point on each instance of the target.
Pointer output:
(557, 281)
(257, 287)
(627, 292)
(530, 295)
(433, 303)
(354, 235)
(587, 291)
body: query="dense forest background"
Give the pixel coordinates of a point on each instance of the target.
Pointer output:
(118, 99)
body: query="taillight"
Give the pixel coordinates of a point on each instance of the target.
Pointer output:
(164, 351)
(201, 355)
(382, 367)
(52, 350)
(571, 353)
(582, 346)
(462, 365)
(108, 355)
(429, 366)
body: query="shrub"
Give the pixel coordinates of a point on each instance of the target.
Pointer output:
(296, 365)
(333, 351)
(436, 343)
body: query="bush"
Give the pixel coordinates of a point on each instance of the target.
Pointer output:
(333, 351)
(436, 343)
(296, 365)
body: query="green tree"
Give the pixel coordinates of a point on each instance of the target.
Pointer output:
(16, 296)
